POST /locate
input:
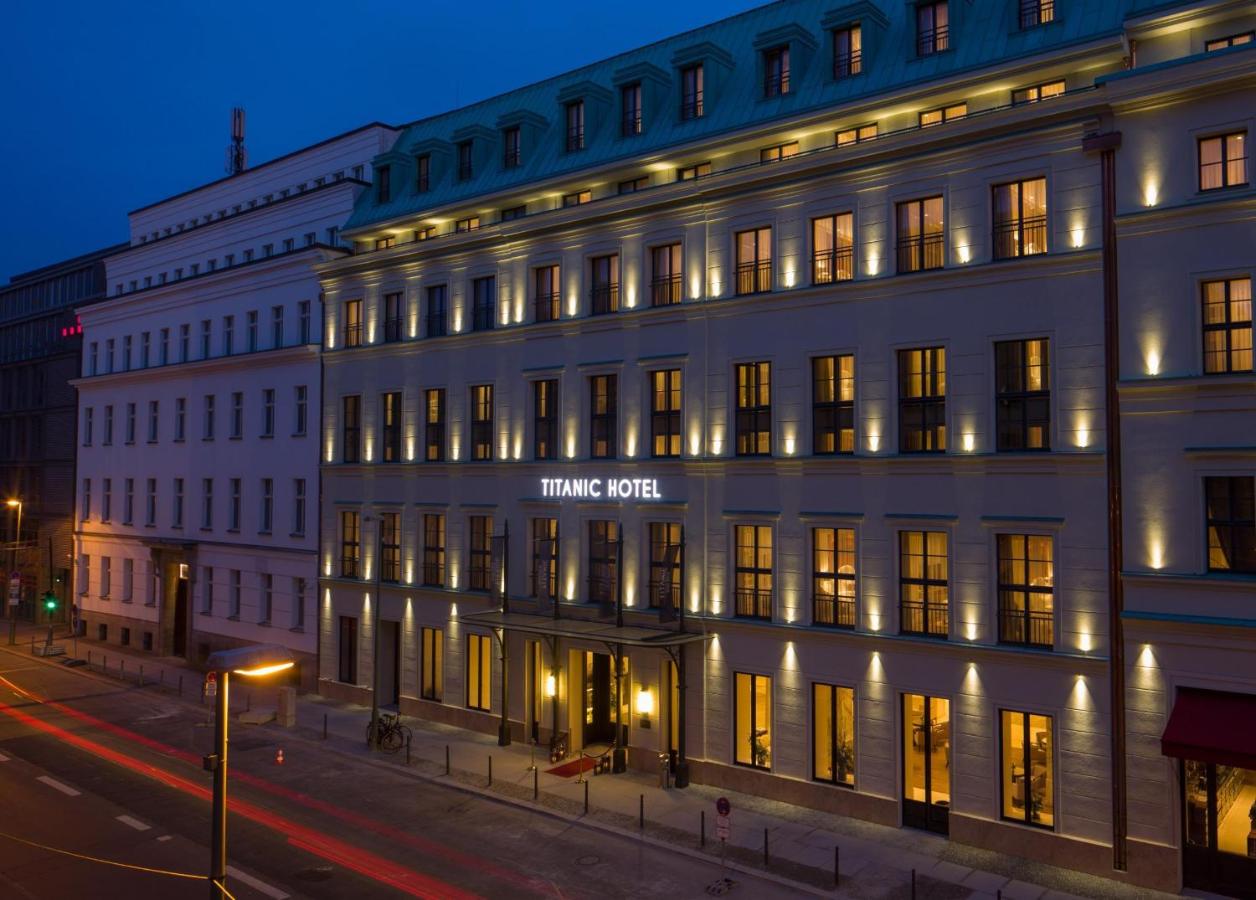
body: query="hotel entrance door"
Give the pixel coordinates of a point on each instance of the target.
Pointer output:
(926, 762)
(599, 699)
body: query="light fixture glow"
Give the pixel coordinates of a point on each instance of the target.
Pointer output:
(265, 670)
(551, 686)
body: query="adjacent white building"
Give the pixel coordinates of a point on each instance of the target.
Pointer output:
(199, 403)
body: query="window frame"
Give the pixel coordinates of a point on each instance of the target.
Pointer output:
(1027, 619)
(932, 428)
(665, 419)
(921, 244)
(1007, 401)
(776, 71)
(479, 661)
(754, 603)
(754, 276)
(835, 263)
(849, 63)
(1027, 766)
(1227, 327)
(669, 289)
(604, 424)
(602, 560)
(835, 714)
(546, 435)
(751, 436)
(842, 411)
(935, 38)
(754, 679)
(928, 610)
(844, 613)
(1231, 522)
(481, 418)
(1224, 161)
(1022, 230)
(434, 549)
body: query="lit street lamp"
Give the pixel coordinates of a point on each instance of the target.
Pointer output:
(14, 503)
(251, 662)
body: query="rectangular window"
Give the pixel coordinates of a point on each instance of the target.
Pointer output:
(575, 126)
(479, 672)
(437, 296)
(1026, 590)
(394, 310)
(464, 161)
(268, 506)
(206, 336)
(298, 506)
(276, 327)
(932, 28)
(350, 544)
(130, 423)
(304, 320)
(754, 409)
(856, 135)
(480, 553)
(665, 399)
(1022, 395)
(1036, 12)
(146, 344)
(1027, 767)
(577, 198)
(847, 51)
(1020, 218)
(603, 567)
(128, 502)
(434, 550)
(922, 400)
(180, 418)
(432, 661)
(833, 577)
(390, 422)
(776, 71)
(207, 426)
(544, 570)
(150, 504)
(185, 342)
(153, 420)
(514, 212)
(694, 172)
(1227, 325)
(924, 594)
(353, 323)
(106, 577)
(88, 415)
(1036, 92)
(268, 413)
(511, 155)
(483, 303)
(108, 425)
(423, 173)
(833, 734)
(546, 293)
(632, 185)
(126, 353)
(1230, 504)
(84, 575)
(943, 114)
(603, 416)
(691, 92)
(237, 415)
(666, 564)
(300, 415)
(752, 725)
(351, 429)
(233, 518)
(347, 670)
(666, 277)
(833, 248)
(434, 424)
(778, 152)
(237, 595)
(471, 223)
(1233, 40)
(298, 604)
(545, 419)
(630, 110)
(920, 235)
(176, 516)
(267, 607)
(390, 547)
(106, 498)
(1223, 161)
(383, 184)
(605, 288)
(833, 404)
(482, 422)
(207, 503)
(753, 572)
(252, 333)
(754, 261)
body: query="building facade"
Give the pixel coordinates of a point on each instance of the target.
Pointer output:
(198, 403)
(40, 340)
(740, 400)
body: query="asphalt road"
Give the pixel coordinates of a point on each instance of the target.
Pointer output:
(111, 771)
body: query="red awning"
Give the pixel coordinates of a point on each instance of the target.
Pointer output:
(1212, 726)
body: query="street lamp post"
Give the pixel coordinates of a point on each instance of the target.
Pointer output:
(17, 537)
(250, 662)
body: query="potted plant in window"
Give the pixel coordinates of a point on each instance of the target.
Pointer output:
(845, 759)
(760, 754)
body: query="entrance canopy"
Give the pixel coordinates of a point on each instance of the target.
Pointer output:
(587, 629)
(1212, 726)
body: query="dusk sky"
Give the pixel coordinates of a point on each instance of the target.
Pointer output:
(107, 107)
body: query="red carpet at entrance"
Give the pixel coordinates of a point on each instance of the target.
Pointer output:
(574, 767)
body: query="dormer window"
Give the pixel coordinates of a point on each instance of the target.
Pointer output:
(943, 114)
(1036, 92)
(630, 106)
(575, 126)
(1232, 40)
(511, 154)
(423, 169)
(856, 135)
(691, 78)
(778, 153)
(464, 161)
(383, 184)
(776, 71)
(1036, 12)
(577, 198)
(847, 51)
(471, 223)
(933, 34)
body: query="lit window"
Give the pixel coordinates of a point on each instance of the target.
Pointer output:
(665, 413)
(433, 550)
(776, 71)
(479, 672)
(856, 135)
(922, 400)
(432, 661)
(833, 577)
(482, 422)
(1020, 218)
(753, 572)
(778, 153)
(1230, 504)
(932, 28)
(847, 51)
(603, 416)
(471, 223)
(754, 261)
(479, 558)
(924, 594)
(353, 323)
(943, 114)
(833, 732)
(1223, 161)
(350, 544)
(604, 291)
(1036, 12)
(754, 409)
(832, 248)
(545, 419)
(690, 173)
(1022, 395)
(577, 198)
(833, 404)
(753, 721)
(666, 287)
(1028, 768)
(1227, 325)
(1232, 40)
(666, 565)
(1036, 92)
(1026, 590)
(920, 234)
(547, 297)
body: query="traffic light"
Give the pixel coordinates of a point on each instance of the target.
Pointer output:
(50, 602)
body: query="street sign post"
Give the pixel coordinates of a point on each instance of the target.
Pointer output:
(723, 818)
(15, 588)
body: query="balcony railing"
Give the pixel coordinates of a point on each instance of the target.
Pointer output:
(691, 106)
(666, 290)
(349, 567)
(392, 330)
(548, 307)
(1035, 628)
(1020, 237)
(848, 64)
(435, 325)
(433, 574)
(754, 604)
(828, 266)
(931, 620)
(656, 587)
(353, 335)
(919, 252)
(604, 298)
(833, 611)
(775, 84)
(932, 40)
(482, 317)
(575, 139)
(602, 588)
(390, 570)
(754, 277)
(1036, 12)
(631, 124)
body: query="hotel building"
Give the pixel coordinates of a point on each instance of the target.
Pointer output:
(198, 403)
(742, 400)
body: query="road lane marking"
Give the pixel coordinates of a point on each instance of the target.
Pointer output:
(58, 786)
(166, 837)
(3, 758)
(260, 886)
(133, 822)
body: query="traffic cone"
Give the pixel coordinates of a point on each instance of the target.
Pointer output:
(279, 757)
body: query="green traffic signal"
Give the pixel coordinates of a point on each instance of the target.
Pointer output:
(50, 602)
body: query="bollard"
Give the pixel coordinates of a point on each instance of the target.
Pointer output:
(180, 685)
(641, 814)
(913, 884)
(586, 798)
(536, 784)
(141, 674)
(766, 860)
(122, 667)
(89, 659)
(324, 726)
(837, 865)
(702, 830)
(407, 751)
(161, 677)
(446, 759)
(998, 894)
(490, 771)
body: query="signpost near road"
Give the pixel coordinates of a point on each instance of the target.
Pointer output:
(723, 827)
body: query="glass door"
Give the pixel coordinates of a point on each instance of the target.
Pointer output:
(1219, 850)
(926, 762)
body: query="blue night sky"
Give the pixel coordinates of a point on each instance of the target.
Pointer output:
(107, 107)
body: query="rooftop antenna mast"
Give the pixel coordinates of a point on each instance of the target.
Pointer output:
(237, 156)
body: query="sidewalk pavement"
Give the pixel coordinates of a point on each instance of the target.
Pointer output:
(802, 845)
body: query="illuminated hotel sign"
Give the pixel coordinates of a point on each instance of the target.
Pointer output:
(601, 488)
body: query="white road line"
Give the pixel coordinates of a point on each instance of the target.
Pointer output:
(133, 822)
(166, 837)
(3, 758)
(58, 786)
(259, 886)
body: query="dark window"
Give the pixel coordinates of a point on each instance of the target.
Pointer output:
(353, 323)
(833, 248)
(383, 184)
(423, 169)
(544, 558)
(665, 413)
(432, 659)
(920, 233)
(1231, 519)
(847, 51)
(632, 185)
(392, 317)
(1036, 12)
(754, 409)
(1020, 218)
(666, 279)
(605, 289)
(630, 103)
(754, 261)
(691, 91)
(833, 577)
(603, 416)
(437, 295)
(545, 419)
(462, 226)
(1026, 590)
(350, 544)
(511, 156)
(753, 571)
(776, 71)
(577, 198)
(932, 28)
(351, 438)
(514, 212)
(478, 563)
(348, 669)
(482, 422)
(434, 424)
(833, 404)
(464, 161)
(1223, 161)
(390, 547)
(603, 548)
(922, 400)
(666, 564)
(575, 126)
(1227, 325)
(922, 577)
(1023, 394)
(546, 293)
(483, 303)
(390, 415)
(433, 549)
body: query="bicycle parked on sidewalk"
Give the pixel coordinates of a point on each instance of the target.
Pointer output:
(392, 735)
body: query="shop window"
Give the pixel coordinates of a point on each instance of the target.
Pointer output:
(1028, 768)
(753, 721)
(432, 662)
(833, 734)
(479, 672)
